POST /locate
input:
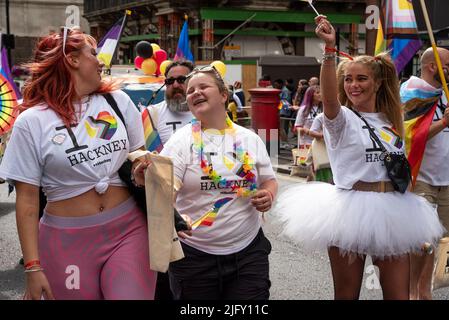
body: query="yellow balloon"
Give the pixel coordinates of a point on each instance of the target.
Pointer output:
(149, 66)
(220, 67)
(155, 47)
(164, 65)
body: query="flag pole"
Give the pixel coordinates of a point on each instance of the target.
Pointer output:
(434, 47)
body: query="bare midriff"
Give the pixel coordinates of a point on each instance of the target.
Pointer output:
(88, 203)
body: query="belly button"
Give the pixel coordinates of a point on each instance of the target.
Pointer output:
(101, 208)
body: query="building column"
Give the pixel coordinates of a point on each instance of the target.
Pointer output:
(371, 34)
(208, 39)
(354, 39)
(163, 26)
(175, 28)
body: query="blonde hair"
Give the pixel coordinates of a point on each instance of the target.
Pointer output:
(387, 97)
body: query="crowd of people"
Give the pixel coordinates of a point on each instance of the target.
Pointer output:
(75, 130)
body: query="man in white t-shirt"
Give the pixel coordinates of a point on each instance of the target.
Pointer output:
(172, 113)
(433, 179)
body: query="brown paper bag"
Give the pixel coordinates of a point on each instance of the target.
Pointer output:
(164, 244)
(441, 271)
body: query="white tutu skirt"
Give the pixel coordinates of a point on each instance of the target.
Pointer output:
(319, 215)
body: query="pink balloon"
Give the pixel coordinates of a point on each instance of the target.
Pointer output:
(160, 56)
(138, 62)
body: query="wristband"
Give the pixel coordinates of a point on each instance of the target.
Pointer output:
(31, 264)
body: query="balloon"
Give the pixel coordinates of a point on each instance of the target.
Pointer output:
(149, 66)
(160, 56)
(144, 49)
(155, 47)
(220, 67)
(138, 62)
(163, 66)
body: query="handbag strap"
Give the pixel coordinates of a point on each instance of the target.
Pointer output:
(110, 99)
(371, 132)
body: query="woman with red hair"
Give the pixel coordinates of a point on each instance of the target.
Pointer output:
(92, 242)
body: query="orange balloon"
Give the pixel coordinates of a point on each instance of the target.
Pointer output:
(149, 66)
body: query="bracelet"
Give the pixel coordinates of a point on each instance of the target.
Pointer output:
(331, 56)
(133, 180)
(32, 263)
(34, 270)
(329, 49)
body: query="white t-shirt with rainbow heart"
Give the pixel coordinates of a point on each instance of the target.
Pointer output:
(42, 152)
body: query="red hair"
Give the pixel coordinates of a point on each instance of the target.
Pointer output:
(51, 81)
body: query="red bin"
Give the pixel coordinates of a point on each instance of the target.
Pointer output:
(265, 113)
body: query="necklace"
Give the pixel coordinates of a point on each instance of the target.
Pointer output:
(242, 156)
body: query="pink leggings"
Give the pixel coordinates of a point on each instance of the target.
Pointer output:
(102, 256)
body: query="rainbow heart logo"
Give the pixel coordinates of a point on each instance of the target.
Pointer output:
(103, 127)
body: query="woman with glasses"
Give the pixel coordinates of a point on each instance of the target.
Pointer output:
(227, 183)
(92, 242)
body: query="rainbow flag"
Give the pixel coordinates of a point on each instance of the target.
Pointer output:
(183, 50)
(9, 94)
(152, 139)
(209, 217)
(6, 72)
(397, 32)
(420, 102)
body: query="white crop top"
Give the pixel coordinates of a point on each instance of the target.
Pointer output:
(353, 154)
(42, 152)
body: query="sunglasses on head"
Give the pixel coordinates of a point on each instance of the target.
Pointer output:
(65, 32)
(207, 68)
(180, 80)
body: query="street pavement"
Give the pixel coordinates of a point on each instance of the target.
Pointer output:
(295, 273)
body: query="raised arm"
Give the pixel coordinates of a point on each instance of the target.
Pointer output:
(328, 77)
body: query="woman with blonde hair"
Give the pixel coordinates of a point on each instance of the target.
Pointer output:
(364, 213)
(92, 241)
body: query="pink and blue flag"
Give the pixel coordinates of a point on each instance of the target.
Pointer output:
(397, 32)
(183, 50)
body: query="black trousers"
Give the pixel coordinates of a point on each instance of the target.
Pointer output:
(240, 276)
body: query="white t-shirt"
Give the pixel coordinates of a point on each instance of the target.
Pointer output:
(434, 168)
(306, 122)
(317, 124)
(353, 154)
(42, 152)
(237, 222)
(168, 121)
